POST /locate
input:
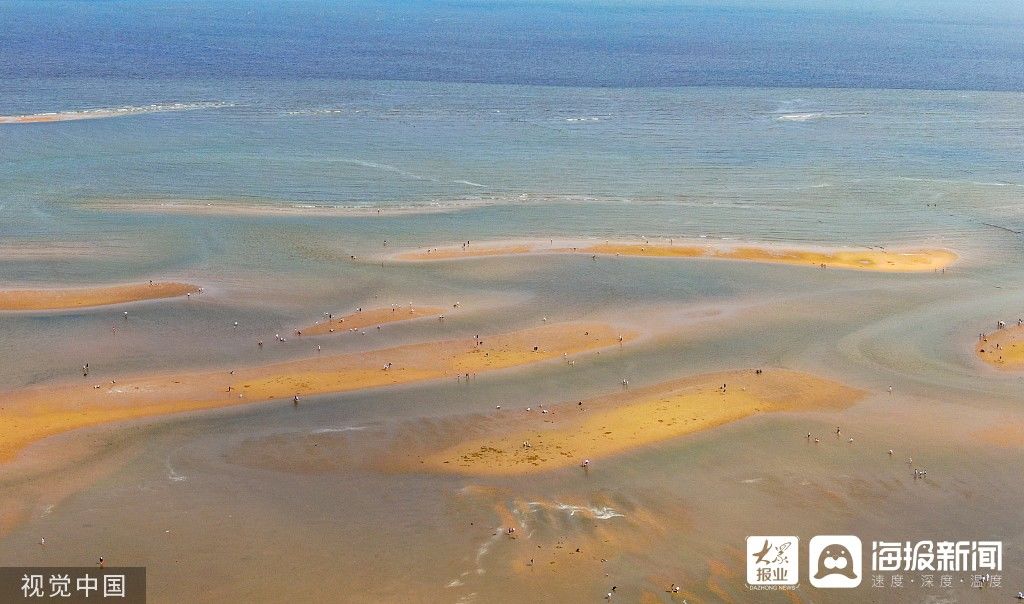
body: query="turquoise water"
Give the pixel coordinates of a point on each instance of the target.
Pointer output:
(856, 166)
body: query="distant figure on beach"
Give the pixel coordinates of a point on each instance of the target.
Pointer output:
(295, 400)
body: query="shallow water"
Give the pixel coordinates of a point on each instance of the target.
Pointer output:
(273, 503)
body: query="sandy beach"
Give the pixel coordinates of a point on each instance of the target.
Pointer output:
(566, 434)
(36, 413)
(881, 260)
(84, 297)
(370, 318)
(1003, 348)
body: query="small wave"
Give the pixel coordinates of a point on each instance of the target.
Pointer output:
(583, 119)
(799, 117)
(601, 513)
(324, 111)
(953, 181)
(471, 183)
(105, 112)
(486, 547)
(173, 475)
(815, 115)
(598, 513)
(341, 429)
(385, 168)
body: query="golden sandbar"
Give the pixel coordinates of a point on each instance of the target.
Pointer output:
(32, 414)
(83, 297)
(625, 421)
(1003, 348)
(881, 260)
(369, 318)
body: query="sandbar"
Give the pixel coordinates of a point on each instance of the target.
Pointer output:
(84, 297)
(32, 414)
(255, 208)
(880, 260)
(1003, 348)
(631, 419)
(104, 112)
(369, 318)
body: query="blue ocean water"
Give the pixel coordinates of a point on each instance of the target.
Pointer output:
(781, 121)
(922, 45)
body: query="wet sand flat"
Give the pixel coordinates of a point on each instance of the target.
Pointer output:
(894, 260)
(369, 318)
(1003, 348)
(84, 297)
(62, 250)
(32, 414)
(622, 422)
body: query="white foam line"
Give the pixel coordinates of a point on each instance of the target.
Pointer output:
(486, 547)
(599, 513)
(341, 429)
(172, 475)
